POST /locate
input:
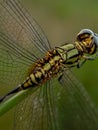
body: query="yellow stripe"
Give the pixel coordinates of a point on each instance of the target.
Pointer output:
(47, 67)
(33, 78)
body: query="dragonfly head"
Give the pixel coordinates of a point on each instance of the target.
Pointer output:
(88, 41)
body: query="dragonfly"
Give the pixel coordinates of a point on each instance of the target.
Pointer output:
(27, 61)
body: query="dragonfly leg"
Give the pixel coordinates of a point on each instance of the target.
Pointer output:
(90, 58)
(59, 79)
(85, 59)
(81, 63)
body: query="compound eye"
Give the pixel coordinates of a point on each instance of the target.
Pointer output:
(84, 34)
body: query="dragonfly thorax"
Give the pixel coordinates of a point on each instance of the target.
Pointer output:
(87, 41)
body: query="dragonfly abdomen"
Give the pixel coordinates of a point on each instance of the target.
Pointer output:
(43, 70)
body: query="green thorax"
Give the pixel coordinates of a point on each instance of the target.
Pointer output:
(69, 54)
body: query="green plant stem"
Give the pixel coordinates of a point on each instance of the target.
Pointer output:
(14, 100)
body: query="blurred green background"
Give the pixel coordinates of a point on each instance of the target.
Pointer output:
(61, 21)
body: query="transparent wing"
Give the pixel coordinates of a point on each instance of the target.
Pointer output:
(57, 106)
(22, 42)
(38, 111)
(79, 110)
(15, 21)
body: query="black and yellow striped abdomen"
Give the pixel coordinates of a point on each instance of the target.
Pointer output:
(44, 69)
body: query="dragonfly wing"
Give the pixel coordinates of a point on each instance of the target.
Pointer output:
(22, 42)
(37, 111)
(57, 105)
(78, 109)
(16, 22)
